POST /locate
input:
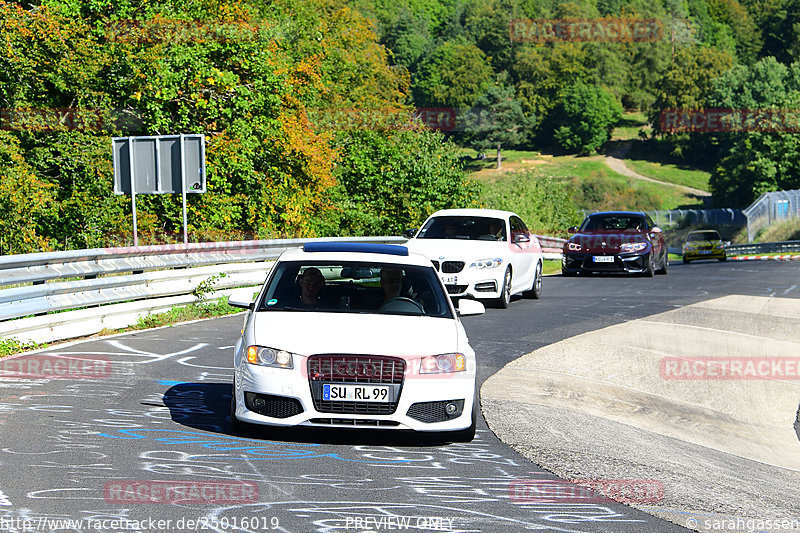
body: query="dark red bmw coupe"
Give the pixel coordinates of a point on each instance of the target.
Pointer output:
(617, 241)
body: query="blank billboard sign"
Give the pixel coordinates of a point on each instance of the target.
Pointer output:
(155, 164)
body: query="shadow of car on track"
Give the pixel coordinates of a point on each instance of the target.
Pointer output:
(205, 406)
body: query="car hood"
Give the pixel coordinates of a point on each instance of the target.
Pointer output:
(606, 241)
(308, 333)
(703, 243)
(457, 248)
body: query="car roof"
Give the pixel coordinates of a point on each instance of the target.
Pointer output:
(703, 231)
(638, 213)
(473, 212)
(343, 251)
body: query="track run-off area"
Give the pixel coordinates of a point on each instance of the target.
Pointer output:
(591, 423)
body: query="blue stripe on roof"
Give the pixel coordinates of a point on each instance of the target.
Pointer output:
(363, 247)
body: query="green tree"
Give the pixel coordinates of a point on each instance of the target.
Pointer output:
(455, 75)
(497, 120)
(584, 118)
(392, 180)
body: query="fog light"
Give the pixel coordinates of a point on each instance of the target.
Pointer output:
(259, 403)
(450, 408)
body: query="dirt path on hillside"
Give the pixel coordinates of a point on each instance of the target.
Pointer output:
(615, 161)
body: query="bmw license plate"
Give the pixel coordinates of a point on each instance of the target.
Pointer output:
(356, 393)
(705, 251)
(603, 258)
(450, 280)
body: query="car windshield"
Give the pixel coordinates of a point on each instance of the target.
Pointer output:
(355, 287)
(464, 227)
(703, 236)
(614, 223)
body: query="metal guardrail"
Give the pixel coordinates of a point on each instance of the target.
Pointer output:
(116, 286)
(787, 247)
(42, 301)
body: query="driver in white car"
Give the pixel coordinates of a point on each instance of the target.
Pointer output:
(391, 282)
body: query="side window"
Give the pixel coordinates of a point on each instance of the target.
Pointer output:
(649, 220)
(517, 227)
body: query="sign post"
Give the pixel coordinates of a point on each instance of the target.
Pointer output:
(159, 165)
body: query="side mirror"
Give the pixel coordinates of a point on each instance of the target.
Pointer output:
(519, 237)
(572, 229)
(467, 307)
(409, 233)
(655, 229)
(241, 298)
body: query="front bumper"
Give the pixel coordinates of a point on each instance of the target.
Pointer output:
(289, 400)
(631, 262)
(478, 284)
(691, 255)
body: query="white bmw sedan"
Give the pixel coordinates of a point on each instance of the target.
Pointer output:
(481, 253)
(355, 335)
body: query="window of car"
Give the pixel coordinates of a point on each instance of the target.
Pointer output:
(464, 227)
(355, 287)
(703, 236)
(614, 223)
(517, 227)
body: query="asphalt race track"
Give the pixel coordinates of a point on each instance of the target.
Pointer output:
(143, 445)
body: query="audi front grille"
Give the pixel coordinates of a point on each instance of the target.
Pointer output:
(355, 369)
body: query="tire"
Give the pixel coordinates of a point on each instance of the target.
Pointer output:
(235, 425)
(650, 270)
(686, 261)
(664, 265)
(724, 258)
(568, 274)
(536, 288)
(505, 293)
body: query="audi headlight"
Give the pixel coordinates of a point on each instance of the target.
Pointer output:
(632, 246)
(260, 355)
(487, 263)
(573, 247)
(443, 364)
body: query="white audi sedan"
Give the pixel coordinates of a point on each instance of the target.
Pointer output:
(353, 335)
(481, 253)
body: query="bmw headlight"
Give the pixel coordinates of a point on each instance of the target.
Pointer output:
(718, 246)
(632, 246)
(487, 263)
(260, 355)
(573, 247)
(443, 364)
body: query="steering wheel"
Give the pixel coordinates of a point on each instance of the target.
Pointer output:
(403, 304)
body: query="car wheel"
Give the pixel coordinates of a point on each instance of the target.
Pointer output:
(686, 261)
(505, 293)
(568, 274)
(536, 288)
(650, 270)
(664, 265)
(723, 259)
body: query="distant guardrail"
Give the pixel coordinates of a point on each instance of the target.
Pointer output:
(786, 247)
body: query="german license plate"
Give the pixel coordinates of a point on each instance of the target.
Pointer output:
(450, 280)
(603, 258)
(705, 251)
(356, 393)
